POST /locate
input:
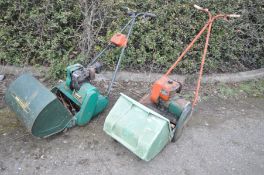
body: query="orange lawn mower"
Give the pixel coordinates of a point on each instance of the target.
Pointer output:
(145, 127)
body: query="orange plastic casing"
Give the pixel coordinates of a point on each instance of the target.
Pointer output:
(119, 40)
(162, 89)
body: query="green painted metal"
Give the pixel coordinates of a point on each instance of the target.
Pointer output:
(177, 105)
(183, 119)
(43, 113)
(88, 98)
(36, 107)
(175, 109)
(140, 129)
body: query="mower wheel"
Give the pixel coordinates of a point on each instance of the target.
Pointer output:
(183, 120)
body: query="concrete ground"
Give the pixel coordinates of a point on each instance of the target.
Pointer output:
(223, 137)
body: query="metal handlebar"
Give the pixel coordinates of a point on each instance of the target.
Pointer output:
(129, 25)
(233, 16)
(152, 15)
(198, 7)
(206, 10)
(145, 14)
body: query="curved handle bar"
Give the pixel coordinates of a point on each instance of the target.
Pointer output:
(233, 16)
(216, 16)
(152, 15)
(198, 7)
(145, 14)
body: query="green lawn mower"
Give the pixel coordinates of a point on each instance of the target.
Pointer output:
(72, 102)
(145, 127)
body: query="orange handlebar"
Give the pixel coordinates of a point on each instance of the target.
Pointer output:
(210, 20)
(207, 26)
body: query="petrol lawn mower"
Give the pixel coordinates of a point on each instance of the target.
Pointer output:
(145, 127)
(73, 102)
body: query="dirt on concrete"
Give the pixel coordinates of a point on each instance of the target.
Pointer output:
(224, 136)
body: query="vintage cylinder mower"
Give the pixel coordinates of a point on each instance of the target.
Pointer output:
(72, 102)
(145, 127)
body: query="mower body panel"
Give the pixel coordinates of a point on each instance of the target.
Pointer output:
(36, 107)
(177, 105)
(138, 128)
(87, 98)
(163, 89)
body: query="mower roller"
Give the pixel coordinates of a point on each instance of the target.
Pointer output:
(145, 127)
(72, 102)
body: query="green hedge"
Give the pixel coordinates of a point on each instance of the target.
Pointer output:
(39, 32)
(42, 33)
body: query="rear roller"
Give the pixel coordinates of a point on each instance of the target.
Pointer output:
(183, 120)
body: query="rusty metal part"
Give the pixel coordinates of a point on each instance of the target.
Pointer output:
(91, 73)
